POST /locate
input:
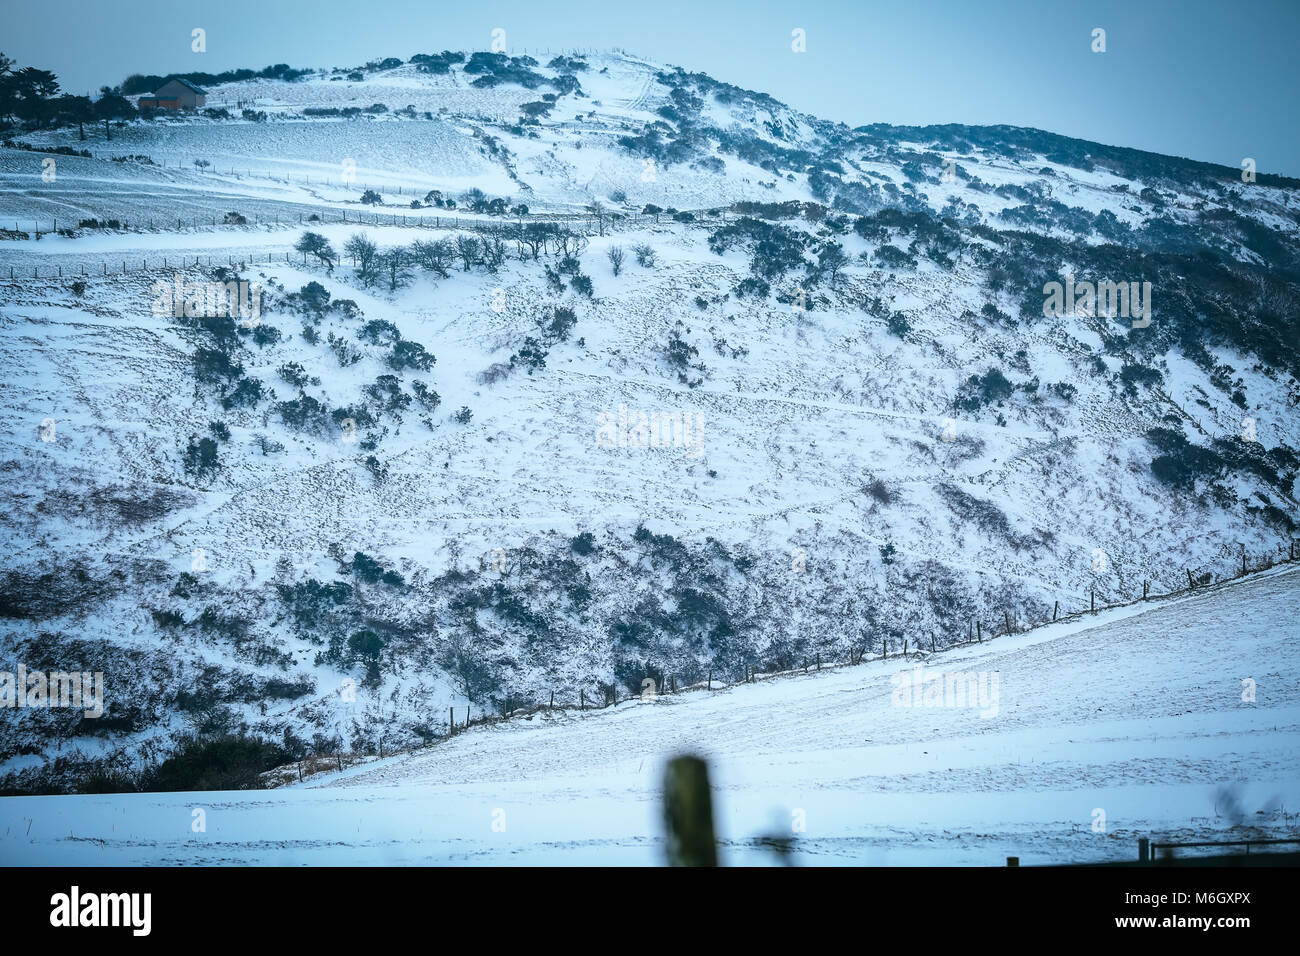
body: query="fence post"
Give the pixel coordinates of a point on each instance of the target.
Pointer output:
(1190, 582)
(979, 632)
(582, 700)
(1092, 598)
(1145, 586)
(452, 721)
(1055, 608)
(1144, 850)
(688, 813)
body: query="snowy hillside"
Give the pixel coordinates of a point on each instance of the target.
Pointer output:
(1068, 759)
(818, 409)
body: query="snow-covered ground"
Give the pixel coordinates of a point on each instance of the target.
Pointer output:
(1103, 729)
(841, 493)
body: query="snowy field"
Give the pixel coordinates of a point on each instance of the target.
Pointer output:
(1137, 713)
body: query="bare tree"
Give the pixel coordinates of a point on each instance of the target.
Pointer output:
(615, 254)
(435, 256)
(494, 253)
(467, 249)
(364, 254)
(597, 209)
(395, 265)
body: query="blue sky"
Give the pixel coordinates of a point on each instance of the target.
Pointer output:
(1213, 81)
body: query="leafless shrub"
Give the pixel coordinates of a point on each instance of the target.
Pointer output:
(496, 372)
(616, 256)
(116, 504)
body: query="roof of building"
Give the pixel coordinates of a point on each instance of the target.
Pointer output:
(185, 83)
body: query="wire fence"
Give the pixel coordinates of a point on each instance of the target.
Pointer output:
(511, 231)
(507, 706)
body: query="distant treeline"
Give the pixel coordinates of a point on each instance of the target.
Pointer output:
(148, 82)
(32, 96)
(1076, 153)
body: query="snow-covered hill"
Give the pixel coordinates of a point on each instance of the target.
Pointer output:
(1097, 732)
(888, 441)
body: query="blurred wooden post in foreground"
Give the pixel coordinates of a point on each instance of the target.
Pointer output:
(688, 813)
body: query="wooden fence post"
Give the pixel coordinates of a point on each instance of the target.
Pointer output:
(1145, 588)
(451, 720)
(1190, 582)
(1055, 608)
(688, 813)
(1092, 598)
(979, 632)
